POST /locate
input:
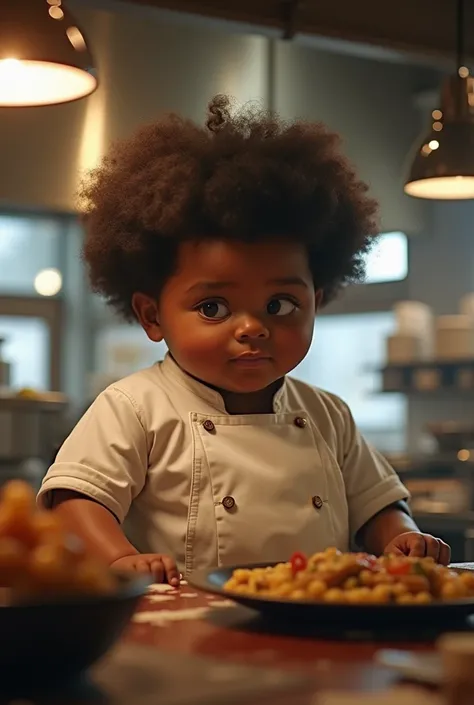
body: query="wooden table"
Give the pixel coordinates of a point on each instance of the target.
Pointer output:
(193, 623)
(228, 632)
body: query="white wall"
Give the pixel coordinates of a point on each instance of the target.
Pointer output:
(371, 105)
(145, 68)
(441, 272)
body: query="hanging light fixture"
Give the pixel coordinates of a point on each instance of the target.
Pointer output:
(443, 167)
(44, 56)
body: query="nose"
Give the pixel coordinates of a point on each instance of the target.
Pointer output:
(251, 328)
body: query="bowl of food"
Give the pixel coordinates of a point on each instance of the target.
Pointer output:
(348, 590)
(60, 608)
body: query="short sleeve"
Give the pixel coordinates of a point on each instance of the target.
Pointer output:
(371, 483)
(105, 457)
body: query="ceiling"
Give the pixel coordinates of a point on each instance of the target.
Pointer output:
(417, 27)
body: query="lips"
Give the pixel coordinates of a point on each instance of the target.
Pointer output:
(251, 358)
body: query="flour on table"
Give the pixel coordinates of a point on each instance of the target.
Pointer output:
(221, 603)
(161, 588)
(161, 598)
(161, 618)
(188, 594)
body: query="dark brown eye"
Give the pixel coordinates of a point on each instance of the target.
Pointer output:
(281, 307)
(214, 309)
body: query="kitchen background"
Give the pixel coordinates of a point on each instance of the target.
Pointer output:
(58, 336)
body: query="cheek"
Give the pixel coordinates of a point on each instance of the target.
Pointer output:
(296, 340)
(190, 337)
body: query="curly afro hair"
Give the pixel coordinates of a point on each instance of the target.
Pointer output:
(247, 176)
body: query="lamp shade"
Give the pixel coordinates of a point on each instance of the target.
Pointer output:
(44, 55)
(443, 165)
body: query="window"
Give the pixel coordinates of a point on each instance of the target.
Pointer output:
(388, 260)
(27, 349)
(28, 245)
(346, 353)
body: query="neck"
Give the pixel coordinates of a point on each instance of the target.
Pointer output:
(260, 402)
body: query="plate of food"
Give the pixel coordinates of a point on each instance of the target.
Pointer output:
(60, 608)
(348, 590)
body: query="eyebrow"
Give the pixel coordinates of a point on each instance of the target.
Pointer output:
(289, 281)
(219, 285)
(210, 286)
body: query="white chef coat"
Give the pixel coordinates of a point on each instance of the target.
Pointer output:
(159, 450)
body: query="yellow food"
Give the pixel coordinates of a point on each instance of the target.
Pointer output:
(38, 557)
(354, 578)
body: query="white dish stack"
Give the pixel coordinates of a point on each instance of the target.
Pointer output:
(418, 337)
(454, 338)
(412, 340)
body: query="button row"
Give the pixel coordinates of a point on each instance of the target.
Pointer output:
(229, 502)
(209, 426)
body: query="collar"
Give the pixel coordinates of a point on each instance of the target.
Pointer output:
(172, 370)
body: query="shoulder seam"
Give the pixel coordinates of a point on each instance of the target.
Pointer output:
(136, 407)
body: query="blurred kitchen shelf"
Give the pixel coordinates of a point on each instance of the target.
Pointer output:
(429, 378)
(445, 521)
(439, 465)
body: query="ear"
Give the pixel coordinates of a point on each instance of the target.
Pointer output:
(318, 299)
(146, 310)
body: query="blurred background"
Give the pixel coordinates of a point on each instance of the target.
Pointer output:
(399, 348)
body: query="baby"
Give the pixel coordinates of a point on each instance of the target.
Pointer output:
(224, 241)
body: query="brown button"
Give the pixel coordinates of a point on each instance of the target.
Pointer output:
(209, 426)
(317, 502)
(228, 502)
(300, 422)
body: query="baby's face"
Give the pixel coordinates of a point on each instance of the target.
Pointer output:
(239, 316)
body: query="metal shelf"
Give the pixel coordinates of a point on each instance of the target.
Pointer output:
(429, 378)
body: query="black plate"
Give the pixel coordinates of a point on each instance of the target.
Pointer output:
(57, 640)
(335, 616)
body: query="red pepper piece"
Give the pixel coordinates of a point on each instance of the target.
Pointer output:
(298, 562)
(398, 568)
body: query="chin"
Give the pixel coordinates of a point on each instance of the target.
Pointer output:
(248, 386)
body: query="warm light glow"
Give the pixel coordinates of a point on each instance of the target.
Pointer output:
(436, 114)
(464, 455)
(425, 150)
(48, 282)
(463, 71)
(75, 37)
(54, 2)
(55, 12)
(433, 144)
(443, 188)
(92, 138)
(24, 83)
(437, 126)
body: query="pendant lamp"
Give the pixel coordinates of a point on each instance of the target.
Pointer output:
(44, 55)
(443, 165)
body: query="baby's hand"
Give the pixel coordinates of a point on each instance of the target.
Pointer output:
(163, 568)
(413, 543)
